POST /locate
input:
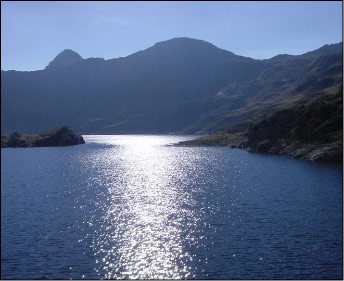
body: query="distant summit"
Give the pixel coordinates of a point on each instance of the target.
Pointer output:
(187, 45)
(326, 49)
(66, 57)
(183, 42)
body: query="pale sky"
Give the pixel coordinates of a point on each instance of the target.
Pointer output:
(33, 33)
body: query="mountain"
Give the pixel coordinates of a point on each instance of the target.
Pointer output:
(285, 81)
(180, 85)
(326, 49)
(156, 90)
(65, 58)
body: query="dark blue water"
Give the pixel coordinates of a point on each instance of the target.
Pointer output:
(133, 207)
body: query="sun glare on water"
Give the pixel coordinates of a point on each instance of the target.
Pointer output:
(144, 213)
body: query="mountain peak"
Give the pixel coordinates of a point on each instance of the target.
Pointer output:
(186, 45)
(326, 49)
(184, 41)
(66, 57)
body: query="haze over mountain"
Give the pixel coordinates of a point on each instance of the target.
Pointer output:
(181, 85)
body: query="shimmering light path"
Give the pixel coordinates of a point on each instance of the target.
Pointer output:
(128, 207)
(148, 213)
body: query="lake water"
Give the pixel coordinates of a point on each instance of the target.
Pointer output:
(134, 207)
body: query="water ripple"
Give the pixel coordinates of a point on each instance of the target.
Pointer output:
(133, 207)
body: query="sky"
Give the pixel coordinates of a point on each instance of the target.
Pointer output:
(33, 33)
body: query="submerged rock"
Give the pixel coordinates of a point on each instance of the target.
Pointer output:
(61, 136)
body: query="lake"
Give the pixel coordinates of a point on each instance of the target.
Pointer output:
(131, 207)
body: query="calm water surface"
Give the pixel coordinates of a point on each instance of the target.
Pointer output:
(134, 207)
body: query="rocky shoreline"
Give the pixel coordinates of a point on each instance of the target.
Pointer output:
(61, 136)
(313, 132)
(332, 152)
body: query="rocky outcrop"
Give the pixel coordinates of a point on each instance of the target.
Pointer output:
(61, 136)
(313, 132)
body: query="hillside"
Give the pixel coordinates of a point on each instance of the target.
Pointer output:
(312, 131)
(181, 85)
(284, 82)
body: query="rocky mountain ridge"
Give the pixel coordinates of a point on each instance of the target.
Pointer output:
(180, 85)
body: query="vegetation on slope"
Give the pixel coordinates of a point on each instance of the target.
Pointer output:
(313, 131)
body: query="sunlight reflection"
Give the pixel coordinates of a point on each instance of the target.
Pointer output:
(144, 215)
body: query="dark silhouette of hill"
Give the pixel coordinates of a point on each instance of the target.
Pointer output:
(326, 49)
(61, 136)
(180, 85)
(65, 58)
